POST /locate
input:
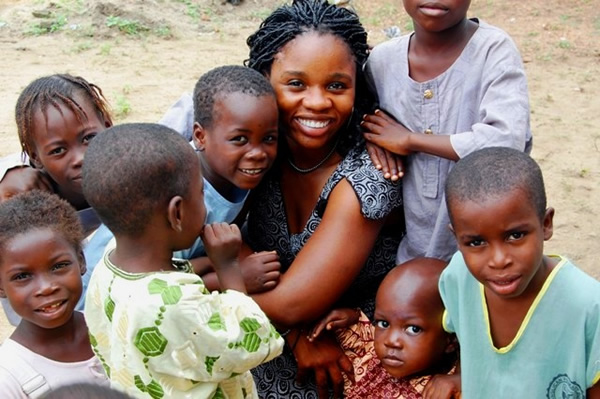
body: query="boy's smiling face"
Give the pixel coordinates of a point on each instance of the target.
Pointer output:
(241, 144)
(502, 241)
(40, 274)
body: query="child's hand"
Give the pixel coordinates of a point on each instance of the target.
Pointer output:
(222, 242)
(443, 386)
(261, 271)
(336, 319)
(383, 130)
(23, 179)
(390, 164)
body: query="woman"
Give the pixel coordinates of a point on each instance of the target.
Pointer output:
(324, 207)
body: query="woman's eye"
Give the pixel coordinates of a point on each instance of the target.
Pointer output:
(295, 83)
(413, 330)
(337, 86)
(381, 324)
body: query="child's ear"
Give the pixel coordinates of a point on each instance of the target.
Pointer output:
(82, 264)
(34, 160)
(175, 213)
(199, 136)
(451, 343)
(451, 229)
(2, 293)
(547, 223)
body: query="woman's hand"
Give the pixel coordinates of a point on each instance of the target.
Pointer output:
(443, 386)
(390, 164)
(382, 130)
(325, 357)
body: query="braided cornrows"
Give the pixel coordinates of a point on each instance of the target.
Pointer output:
(56, 90)
(289, 21)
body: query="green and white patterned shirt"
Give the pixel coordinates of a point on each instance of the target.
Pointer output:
(163, 335)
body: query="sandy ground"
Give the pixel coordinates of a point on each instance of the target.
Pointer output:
(144, 54)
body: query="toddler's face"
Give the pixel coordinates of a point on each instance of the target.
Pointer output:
(60, 143)
(409, 338)
(502, 242)
(241, 145)
(40, 274)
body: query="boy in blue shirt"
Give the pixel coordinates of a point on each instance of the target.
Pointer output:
(528, 324)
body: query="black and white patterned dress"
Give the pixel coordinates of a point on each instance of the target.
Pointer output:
(268, 230)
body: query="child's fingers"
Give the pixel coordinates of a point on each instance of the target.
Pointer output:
(373, 152)
(317, 329)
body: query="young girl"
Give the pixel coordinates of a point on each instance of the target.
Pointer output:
(453, 86)
(396, 355)
(40, 275)
(57, 116)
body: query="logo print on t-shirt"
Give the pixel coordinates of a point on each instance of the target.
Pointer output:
(562, 387)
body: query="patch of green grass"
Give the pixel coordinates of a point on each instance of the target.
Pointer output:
(105, 49)
(48, 26)
(130, 27)
(564, 43)
(163, 31)
(81, 47)
(122, 106)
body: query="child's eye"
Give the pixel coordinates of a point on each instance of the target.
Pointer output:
(240, 139)
(56, 151)
(381, 324)
(517, 235)
(60, 265)
(295, 83)
(88, 137)
(270, 139)
(19, 276)
(413, 330)
(475, 243)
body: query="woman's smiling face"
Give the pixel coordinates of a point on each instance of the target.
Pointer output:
(314, 77)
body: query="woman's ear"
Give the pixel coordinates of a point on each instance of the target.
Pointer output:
(175, 213)
(199, 137)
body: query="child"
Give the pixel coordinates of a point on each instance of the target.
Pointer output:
(153, 325)
(41, 264)
(396, 355)
(451, 87)
(528, 324)
(57, 116)
(235, 133)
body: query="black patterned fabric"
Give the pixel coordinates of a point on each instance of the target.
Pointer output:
(268, 230)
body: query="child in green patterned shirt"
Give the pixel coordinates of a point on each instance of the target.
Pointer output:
(153, 325)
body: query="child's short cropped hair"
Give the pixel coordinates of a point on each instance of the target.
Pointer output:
(224, 80)
(131, 169)
(39, 210)
(492, 172)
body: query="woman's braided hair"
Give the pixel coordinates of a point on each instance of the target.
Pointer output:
(289, 21)
(56, 90)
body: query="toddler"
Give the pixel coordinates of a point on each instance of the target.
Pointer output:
(57, 116)
(396, 356)
(452, 86)
(154, 326)
(528, 324)
(41, 263)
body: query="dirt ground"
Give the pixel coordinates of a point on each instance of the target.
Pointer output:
(145, 54)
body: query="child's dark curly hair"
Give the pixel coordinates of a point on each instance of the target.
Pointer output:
(56, 90)
(39, 210)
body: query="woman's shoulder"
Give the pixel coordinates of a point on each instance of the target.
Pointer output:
(377, 195)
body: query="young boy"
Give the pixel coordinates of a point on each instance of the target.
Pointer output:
(528, 324)
(235, 130)
(396, 355)
(153, 325)
(41, 263)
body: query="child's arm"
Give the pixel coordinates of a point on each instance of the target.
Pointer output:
(334, 320)
(594, 392)
(382, 130)
(223, 242)
(21, 179)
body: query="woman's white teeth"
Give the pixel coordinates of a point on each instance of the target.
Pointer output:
(313, 123)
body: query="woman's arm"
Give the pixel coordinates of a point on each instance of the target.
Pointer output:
(326, 265)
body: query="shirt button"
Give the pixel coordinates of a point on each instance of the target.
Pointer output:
(428, 131)
(428, 94)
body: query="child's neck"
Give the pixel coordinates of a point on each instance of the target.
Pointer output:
(432, 53)
(67, 343)
(144, 254)
(220, 184)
